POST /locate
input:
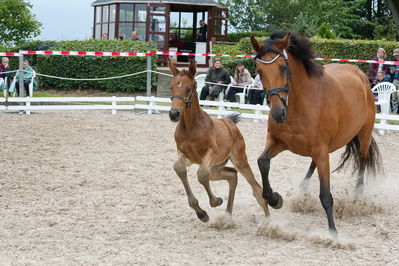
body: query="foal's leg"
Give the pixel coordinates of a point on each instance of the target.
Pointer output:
(323, 168)
(181, 170)
(229, 174)
(240, 161)
(203, 177)
(272, 149)
(305, 182)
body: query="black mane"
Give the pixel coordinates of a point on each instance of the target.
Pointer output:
(299, 47)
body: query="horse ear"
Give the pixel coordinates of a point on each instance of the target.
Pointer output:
(192, 69)
(173, 68)
(255, 44)
(283, 43)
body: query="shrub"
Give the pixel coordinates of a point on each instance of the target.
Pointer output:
(80, 67)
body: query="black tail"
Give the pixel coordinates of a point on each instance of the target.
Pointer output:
(372, 162)
(235, 117)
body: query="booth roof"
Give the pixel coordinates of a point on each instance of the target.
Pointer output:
(179, 2)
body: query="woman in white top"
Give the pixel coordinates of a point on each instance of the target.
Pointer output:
(256, 94)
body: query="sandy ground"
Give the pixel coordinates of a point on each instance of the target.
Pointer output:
(92, 188)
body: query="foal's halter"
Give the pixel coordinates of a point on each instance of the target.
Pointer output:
(287, 72)
(187, 100)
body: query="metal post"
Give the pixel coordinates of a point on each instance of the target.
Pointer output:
(21, 75)
(149, 76)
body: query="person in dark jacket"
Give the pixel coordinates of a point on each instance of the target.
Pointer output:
(216, 74)
(374, 68)
(202, 31)
(4, 67)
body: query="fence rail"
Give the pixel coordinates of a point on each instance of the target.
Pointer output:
(155, 105)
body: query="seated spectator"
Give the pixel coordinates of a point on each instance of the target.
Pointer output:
(381, 77)
(135, 37)
(256, 94)
(28, 75)
(242, 77)
(216, 74)
(4, 67)
(374, 68)
(395, 81)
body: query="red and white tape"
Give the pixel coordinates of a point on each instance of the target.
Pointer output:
(84, 53)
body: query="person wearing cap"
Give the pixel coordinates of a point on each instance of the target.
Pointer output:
(395, 98)
(242, 77)
(216, 75)
(375, 67)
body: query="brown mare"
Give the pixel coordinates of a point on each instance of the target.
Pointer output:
(208, 142)
(314, 110)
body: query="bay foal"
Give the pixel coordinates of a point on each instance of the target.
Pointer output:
(208, 142)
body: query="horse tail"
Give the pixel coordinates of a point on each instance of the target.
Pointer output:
(235, 117)
(352, 150)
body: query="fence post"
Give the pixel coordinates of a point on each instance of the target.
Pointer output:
(21, 75)
(28, 106)
(149, 75)
(113, 105)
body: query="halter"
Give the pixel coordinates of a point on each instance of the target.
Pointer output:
(276, 91)
(184, 99)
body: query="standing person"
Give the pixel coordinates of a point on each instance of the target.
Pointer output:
(256, 95)
(4, 67)
(202, 31)
(104, 36)
(242, 77)
(374, 68)
(135, 37)
(216, 74)
(27, 76)
(395, 96)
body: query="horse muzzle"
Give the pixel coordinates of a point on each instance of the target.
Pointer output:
(279, 114)
(174, 115)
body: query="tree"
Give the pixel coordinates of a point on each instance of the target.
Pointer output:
(17, 23)
(394, 7)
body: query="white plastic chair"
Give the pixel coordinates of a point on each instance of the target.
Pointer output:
(14, 81)
(384, 90)
(201, 83)
(244, 93)
(5, 90)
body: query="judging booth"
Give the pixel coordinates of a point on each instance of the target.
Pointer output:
(173, 25)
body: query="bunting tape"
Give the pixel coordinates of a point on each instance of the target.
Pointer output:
(150, 53)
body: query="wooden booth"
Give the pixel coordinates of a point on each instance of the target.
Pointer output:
(173, 25)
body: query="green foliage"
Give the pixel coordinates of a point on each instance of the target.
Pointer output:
(90, 66)
(325, 32)
(237, 36)
(325, 48)
(17, 23)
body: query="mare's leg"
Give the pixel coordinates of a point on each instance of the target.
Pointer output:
(321, 157)
(204, 173)
(365, 150)
(240, 161)
(305, 182)
(229, 174)
(272, 149)
(181, 170)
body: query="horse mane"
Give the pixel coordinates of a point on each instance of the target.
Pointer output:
(299, 47)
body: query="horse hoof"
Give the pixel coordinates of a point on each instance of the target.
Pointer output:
(276, 201)
(333, 232)
(359, 189)
(218, 202)
(203, 216)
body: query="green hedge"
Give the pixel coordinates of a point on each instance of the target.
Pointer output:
(345, 49)
(90, 66)
(237, 36)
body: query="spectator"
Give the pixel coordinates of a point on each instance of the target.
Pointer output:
(381, 77)
(241, 79)
(256, 94)
(216, 74)
(135, 37)
(202, 31)
(374, 68)
(104, 36)
(4, 67)
(28, 75)
(395, 73)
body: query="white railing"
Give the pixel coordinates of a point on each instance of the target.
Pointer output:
(151, 105)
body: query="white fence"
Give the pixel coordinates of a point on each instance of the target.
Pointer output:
(153, 105)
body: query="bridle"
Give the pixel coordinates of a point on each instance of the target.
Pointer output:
(287, 71)
(187, 100)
